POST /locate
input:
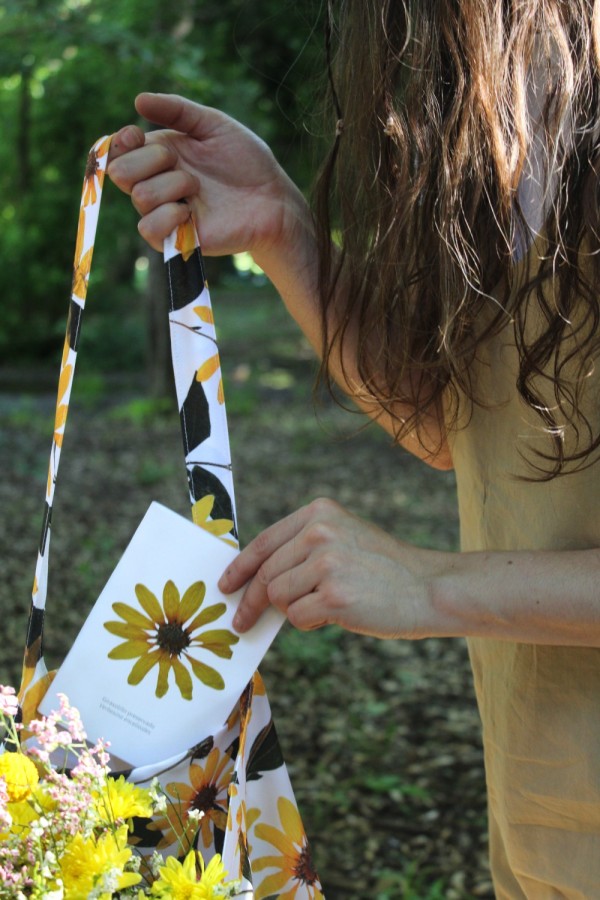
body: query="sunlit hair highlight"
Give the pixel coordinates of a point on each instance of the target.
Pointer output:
(435, 98)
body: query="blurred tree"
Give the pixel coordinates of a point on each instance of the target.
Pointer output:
(69, 70)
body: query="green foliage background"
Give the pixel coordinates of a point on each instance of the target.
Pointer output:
(69, 72)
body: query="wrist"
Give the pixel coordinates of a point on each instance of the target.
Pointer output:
(290, 258)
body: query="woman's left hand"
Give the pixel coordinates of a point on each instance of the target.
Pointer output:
(324, 566)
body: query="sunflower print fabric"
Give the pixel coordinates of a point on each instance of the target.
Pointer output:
(236, 779)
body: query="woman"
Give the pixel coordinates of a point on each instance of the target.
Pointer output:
(460, 312)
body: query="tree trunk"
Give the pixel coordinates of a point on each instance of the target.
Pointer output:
(160, 369)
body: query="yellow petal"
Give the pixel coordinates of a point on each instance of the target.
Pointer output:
(171, 602)
(149, 604)
(218, 527)
(207, 675)
(143, 666)
(271, 886)
(64, 381)
(133, 616)
(101, 148)
(291, 821)
(208, 368)
(191, 601)
(185, 240)
(180, 791)
(267, 862)
(220, 392)
(205, 313)
(277, 838)
(202, 508)
(124, 630)
(129, 650)
(183, 679)
(65, 355)
(59, 422)
(208, 615)
(80, 237)
(162, 682)
(217, 641)
(82, 273)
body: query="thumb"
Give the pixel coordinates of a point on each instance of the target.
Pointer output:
(128, 138)
(180, 114)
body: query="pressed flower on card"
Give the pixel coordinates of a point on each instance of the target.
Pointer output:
(169, 635)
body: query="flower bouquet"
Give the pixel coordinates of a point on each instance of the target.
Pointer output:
(65, 821)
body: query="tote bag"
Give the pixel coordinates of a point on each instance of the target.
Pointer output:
(237, 776)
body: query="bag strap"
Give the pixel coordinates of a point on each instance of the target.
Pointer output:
(198, 383)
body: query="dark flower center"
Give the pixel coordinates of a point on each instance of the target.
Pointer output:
(205, 799)
(171, 636)
(91, 166)
(304, 869)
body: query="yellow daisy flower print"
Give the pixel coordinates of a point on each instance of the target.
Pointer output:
(83, 261)
(201, 513)
(93, 177)
(293, 858)
(206, 793)
(167, 634)
(185, 239)
(206, 371)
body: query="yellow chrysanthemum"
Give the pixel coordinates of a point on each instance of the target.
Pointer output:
(120, 800)
(162, 634)
(180, 880)
(293, 857)
(27, 811)
(20, 775)
(85, 862)
(213, 876)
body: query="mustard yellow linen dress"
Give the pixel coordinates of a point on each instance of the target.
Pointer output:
(539, 705)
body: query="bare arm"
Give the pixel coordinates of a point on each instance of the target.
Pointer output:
(323, 565)
(242, 201)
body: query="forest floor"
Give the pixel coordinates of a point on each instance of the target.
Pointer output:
(381, 738)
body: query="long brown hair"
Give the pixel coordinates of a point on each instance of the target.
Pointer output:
(430, 102)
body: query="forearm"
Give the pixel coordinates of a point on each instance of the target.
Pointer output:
(540, 597)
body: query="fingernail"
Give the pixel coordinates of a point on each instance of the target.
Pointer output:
(238, 622)
(128, 139)
(223, 582)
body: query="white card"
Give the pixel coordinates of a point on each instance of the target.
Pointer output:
(157, 666)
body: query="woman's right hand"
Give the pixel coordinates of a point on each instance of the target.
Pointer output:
(240, 197)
